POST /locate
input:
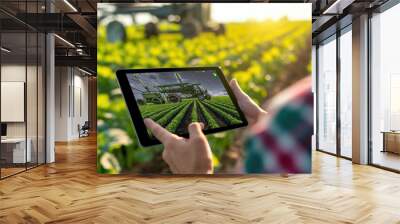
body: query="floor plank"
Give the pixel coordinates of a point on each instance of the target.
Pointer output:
(70, 191)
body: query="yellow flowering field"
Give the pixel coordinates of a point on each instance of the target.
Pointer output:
(264, 57)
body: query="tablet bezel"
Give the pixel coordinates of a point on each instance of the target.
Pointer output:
(136, 116)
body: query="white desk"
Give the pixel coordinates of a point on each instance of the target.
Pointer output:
(19, 155)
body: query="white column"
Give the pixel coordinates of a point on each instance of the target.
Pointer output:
(50, 92)
(50, 99)
(360, 90)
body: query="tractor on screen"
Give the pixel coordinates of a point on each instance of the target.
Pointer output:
(152, 97)
(174, 93)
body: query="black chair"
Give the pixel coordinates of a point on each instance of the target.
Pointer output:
(84, 130)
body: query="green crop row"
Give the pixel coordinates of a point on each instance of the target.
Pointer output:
(173, 125)
(229, 106)
(225, 116)
(223, 100)
(171, 114)
(161, 113)
(155, 111)
(212, 123)
(224, 108)
(195, 116)
(225, 104)
(149, 109)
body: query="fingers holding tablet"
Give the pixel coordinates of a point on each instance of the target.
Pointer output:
(250, 109)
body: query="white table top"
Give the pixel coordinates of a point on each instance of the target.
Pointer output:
(13, 140)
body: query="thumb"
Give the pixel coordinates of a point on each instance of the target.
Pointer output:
(248, 106)
(195, 130)
(237, 91)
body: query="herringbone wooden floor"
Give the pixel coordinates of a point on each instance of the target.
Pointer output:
(70, 191)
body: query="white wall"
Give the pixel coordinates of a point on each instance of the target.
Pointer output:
(14, 73)
(13, 101)
(71, 94)
(62, 81)
(80, 100)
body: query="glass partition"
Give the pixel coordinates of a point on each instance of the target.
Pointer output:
(385, 89)
(346, 93)
(22, 95)
(327, 95)
(14, 153)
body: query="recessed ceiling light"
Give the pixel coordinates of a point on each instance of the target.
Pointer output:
(338, 6)
(70, 5)
(64, 40)
(5, 50)
(84, 71)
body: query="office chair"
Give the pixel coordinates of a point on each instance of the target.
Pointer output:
(84, 130)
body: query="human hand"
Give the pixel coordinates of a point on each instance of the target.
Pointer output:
(250, 109)
(184, 156)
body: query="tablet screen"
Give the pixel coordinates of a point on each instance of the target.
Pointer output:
(174, 99)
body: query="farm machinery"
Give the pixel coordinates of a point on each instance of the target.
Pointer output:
(193, 19)
(173, 93)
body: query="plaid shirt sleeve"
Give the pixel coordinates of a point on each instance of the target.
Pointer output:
(283, 143)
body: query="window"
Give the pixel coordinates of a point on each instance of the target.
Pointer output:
(22, 95)
(327, 95)
(385, 89)
(346, 92)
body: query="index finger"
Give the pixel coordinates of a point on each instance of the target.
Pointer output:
(159, 132)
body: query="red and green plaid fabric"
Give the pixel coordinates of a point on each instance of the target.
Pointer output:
(283, 145)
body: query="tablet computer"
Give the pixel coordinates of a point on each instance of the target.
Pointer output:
(175, 97)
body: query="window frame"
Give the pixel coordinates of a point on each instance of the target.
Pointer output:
(342, 27)
(380, 9)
